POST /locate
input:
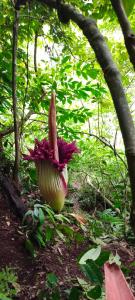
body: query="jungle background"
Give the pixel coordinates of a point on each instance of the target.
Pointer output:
(39, 54)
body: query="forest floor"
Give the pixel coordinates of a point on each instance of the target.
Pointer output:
(59, 258)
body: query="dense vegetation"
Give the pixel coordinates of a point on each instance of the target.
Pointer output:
(51, 46)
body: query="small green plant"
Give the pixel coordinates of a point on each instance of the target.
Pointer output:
(8, 284)
(43, 225)
(51, 291)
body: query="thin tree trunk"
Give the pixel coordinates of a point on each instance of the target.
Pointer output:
(35, 51)
(128, 33)
(1, 145)
(14, 95)
(113, 79)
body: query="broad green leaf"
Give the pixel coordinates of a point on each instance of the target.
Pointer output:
(92, 254)
(95, 293)
(93, 272)
(103, 257)
(75, 294)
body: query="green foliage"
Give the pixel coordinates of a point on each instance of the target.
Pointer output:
(42, 226)
(128, 5)
(91, 263)
(8, 284)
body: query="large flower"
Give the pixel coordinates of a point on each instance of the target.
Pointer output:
(51, 158)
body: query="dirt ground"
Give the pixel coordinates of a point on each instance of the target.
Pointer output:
(59, 258)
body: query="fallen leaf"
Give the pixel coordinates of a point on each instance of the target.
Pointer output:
(79, 218)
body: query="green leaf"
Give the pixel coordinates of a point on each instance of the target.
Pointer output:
(33, 175)
(50, 213)
(36, 212)
(83, 283)
(128, 6)
(115, 259)
(78, 237)
(30, 248)
(66, 229)
(103, 257)
(75, 294)
(3, 297)
(93, 272)
(40, 239)
(55, 295)
(132, 264)
(52, 279)
(49, 233)
(62, 218)
(41, 216)
(65, 59)
(92, 254)
(60, 234)
(83, 94)
(95, 293)
(93, 73)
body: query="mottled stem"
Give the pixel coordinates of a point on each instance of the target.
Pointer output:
(53, 127)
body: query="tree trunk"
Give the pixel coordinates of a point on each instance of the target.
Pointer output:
(13, 197)
(14, 96)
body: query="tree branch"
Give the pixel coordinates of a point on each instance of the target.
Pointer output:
(128, 34)
(106, 143)
(10, 129)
